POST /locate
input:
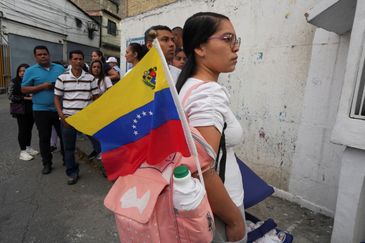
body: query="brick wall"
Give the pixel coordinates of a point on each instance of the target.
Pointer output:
(135, 7)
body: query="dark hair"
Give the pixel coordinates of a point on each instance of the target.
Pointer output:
(151, 33)
(197, 29)
(40, 48)
(75, 52)
(139, 49)
(101, 74)
(179, 50)
(17, 78)
(100, 54)
(178, 28)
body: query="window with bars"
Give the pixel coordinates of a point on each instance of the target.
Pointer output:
(358, 102)
(112, 27)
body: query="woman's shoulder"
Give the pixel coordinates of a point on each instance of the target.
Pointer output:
(210, 89)
(209, 96)
(198, 85)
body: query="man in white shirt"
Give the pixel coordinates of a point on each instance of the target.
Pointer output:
(74, 90)
(165, 37)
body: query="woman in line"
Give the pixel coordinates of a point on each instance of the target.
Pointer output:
(25, 116)
(107, 69)
(104, 83)
(134, 53)
(211, 46)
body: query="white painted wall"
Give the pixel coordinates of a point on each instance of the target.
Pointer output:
(53, 19)
(286, 115)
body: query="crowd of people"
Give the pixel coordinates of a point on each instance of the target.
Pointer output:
(197, 54)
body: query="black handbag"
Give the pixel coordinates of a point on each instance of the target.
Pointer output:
(17, 108)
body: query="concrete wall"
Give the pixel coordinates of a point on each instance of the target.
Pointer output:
(317, 162)
(287, 116)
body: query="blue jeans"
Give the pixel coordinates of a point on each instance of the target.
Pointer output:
(69, 142)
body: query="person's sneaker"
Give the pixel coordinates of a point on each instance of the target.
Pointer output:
(46, 169)
(25, 156)
(72, 180)
(98, 157)
(31, 151)
(92, 155)
(53, 148)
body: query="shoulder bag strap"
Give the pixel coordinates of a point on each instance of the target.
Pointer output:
(222, 143)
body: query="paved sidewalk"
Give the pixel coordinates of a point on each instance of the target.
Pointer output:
(43, 208)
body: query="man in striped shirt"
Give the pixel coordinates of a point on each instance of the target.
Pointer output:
(74, 90)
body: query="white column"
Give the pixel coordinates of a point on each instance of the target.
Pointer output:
(349, 225)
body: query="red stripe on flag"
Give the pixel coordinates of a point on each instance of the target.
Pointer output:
(153, 148)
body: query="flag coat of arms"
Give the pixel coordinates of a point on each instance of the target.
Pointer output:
(135, 121)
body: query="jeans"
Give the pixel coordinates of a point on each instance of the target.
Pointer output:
(95, 143)
(69, 135)
(44, 121)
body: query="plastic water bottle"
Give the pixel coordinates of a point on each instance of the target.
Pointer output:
(188, 191)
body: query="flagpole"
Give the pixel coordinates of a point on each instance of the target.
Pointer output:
(180, 111)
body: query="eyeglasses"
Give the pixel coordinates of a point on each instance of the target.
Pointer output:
(232, 39)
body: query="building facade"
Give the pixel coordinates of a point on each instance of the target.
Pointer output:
(59, 25)
(343, 21)
(107, 13)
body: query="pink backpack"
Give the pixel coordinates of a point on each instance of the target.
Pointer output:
(143, 205)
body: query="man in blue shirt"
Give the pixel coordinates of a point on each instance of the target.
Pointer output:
(39, 80)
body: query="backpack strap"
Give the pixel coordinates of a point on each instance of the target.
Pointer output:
(220, 166)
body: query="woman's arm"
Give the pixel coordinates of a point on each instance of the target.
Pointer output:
(221, 203)
(13, 96)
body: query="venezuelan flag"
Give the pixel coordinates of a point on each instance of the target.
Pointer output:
(135, 121)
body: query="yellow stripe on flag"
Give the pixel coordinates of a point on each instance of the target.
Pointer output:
(131, 91)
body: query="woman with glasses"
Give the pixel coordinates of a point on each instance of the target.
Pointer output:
(211, 47)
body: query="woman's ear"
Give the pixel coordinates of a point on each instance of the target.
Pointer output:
(200, 51)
